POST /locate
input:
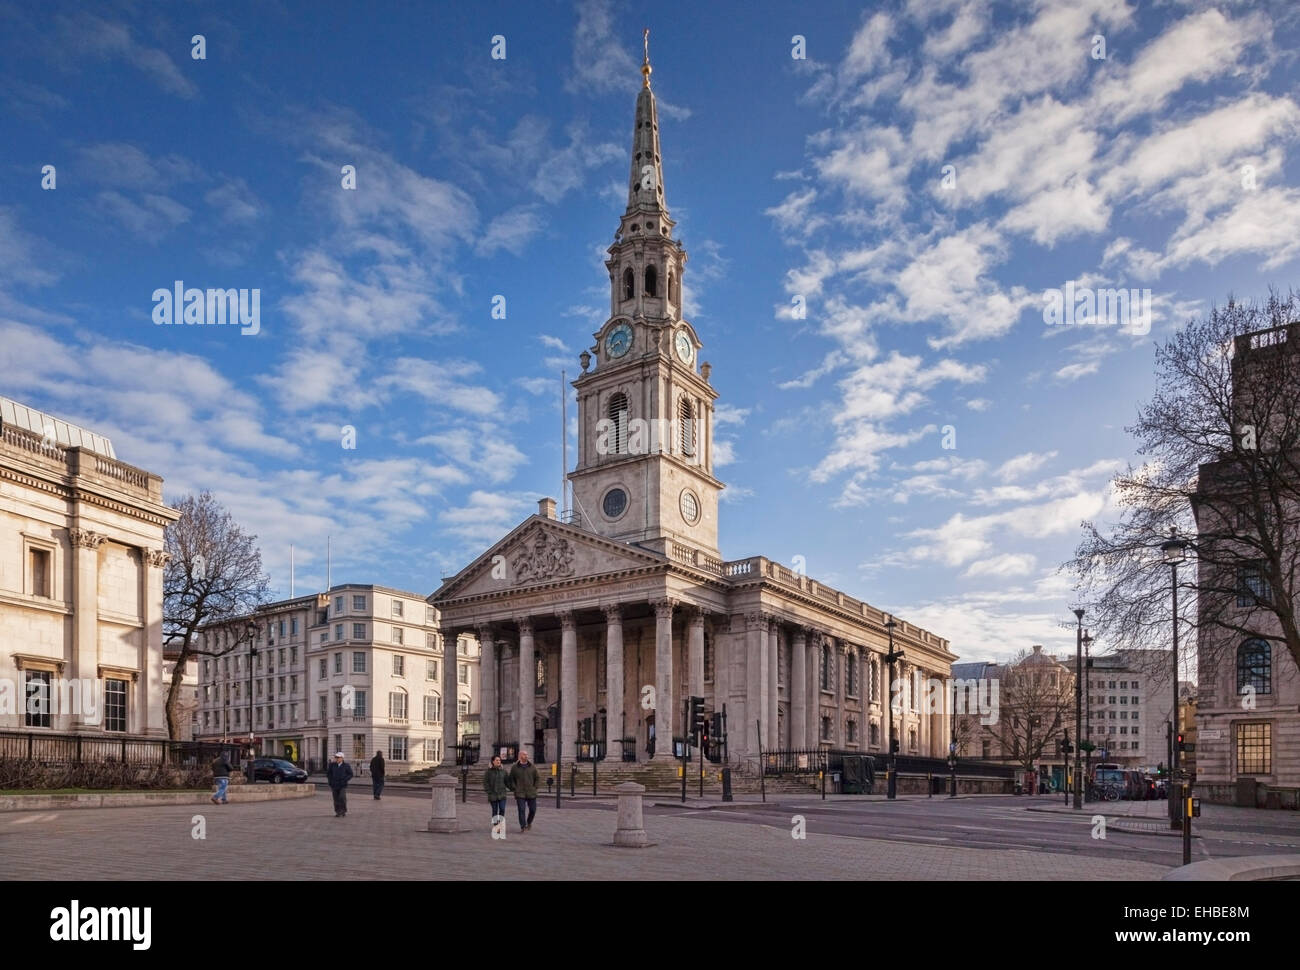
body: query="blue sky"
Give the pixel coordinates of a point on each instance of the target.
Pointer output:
(1169, 164)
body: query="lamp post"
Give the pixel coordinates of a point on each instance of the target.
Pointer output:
(251, 631)
(891, 658)
(1087, 754)
(1174, 551)
(1078, 707)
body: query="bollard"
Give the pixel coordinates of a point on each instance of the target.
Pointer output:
(726, 784)
(630, 833)
(443, 818)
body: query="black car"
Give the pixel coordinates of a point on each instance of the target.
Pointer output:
(277, 771)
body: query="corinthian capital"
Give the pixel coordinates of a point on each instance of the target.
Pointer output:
(155, 557)
(85, 539)
(664, 608)
(613, 612)
(567, 623)
(525, 626)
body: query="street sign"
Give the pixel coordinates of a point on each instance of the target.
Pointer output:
(1212, 734)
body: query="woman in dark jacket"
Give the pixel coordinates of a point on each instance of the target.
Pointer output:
(494, 783)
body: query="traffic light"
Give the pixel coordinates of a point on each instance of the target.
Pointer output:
(1160, 770)
(696, 718)
(1180, 741)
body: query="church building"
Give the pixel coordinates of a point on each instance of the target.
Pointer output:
(597, 624)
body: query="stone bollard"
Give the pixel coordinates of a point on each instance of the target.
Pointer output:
(631, 827)
(444, 804)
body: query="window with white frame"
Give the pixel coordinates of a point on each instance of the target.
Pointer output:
(432, 709)
(462, 674)
(358, 604)
(397, 607)
(358, 631)
(399, 665)
(462, 708)
(397, 705)
(397, 748)
(358, 662)
(431, 670)
(398, 635)
(433, 750)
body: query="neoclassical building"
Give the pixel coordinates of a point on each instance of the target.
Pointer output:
(624, 606)
(81, 581)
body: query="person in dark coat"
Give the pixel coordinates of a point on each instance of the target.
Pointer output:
(377, 774)
(524, 780)
(494, 783)
(221, 774)
(339, 773)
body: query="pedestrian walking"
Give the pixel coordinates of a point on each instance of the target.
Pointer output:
(494, 783)
(221, 773)
(339, 773)
(377, 774)
(523, 780)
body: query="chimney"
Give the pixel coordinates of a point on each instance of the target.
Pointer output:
(546, 508)
(1038, 648)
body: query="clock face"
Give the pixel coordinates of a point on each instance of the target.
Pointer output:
(619, 340)
(684, 349)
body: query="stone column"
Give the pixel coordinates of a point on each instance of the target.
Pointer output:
(487, 691)
(753, 680)
(614, 682)
(450, 736)
(527, 684)
(630, 827)
(798, 689)
(568, 686)
(665, 698)
(814, 687)
(695, 662)
(85, 623)
(442, 817)
(151, 694)
(773, 683)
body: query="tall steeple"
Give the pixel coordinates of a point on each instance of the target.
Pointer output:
(645, 412)
(645, 184)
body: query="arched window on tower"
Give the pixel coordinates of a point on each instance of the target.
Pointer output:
(628, 283)
(671, 292)
(686, 417)
(617, 414)
(826, 667)
(651, 281)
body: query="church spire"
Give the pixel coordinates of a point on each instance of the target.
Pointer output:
(645, 191)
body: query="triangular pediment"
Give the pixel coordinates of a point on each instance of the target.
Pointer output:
(542, 552)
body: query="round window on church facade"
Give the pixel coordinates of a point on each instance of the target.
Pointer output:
(615, 503)
(690, 507)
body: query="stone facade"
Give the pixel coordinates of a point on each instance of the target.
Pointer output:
(80, 581)
(623, 607)
(358, 669)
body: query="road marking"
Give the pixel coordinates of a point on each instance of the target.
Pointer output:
(923, 838)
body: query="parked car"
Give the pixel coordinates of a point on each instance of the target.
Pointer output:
(277, 771)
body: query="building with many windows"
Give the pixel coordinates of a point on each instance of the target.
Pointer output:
(81, 581)
(358, 669)
(1128, 708)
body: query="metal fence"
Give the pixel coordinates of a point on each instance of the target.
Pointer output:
(52, 749)
(803, 761)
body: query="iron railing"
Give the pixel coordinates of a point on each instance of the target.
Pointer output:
(51, 749)
(803, 761)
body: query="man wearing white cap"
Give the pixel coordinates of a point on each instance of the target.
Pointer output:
(339, 773)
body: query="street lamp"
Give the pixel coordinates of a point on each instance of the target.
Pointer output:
(1174, 551)
(1078, 707)
(251, 631)
(1087, 754)
(891, 658)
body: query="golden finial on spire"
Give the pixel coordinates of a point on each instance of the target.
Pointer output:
(645, 65)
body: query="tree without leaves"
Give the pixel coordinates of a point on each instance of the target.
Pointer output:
(214, 575)
(1035, 708)
(1221, 445)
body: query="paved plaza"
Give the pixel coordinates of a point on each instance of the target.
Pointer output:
(301, 839)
